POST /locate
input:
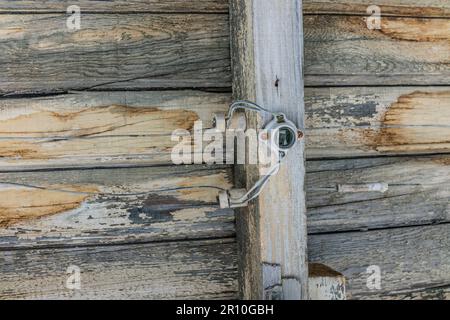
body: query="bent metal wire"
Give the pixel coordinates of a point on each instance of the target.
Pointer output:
(278, 123)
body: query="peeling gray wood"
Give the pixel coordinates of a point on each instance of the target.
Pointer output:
(36, 218)
(100, 129)
(361, 121)
(438, 293)
(132, 55)
(177, 270)
(122, 128)
(414, 8)
(173, 6)
(418, 194)
(325, 283)
(273, 286)
(411, 259)
(113, 51)
(267, 54)
(341, 50)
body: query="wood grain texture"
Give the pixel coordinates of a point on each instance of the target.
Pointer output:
(341, 50)
(100, 129)
(178, 270)
(126, 54)
(411, 260)
(267, 54)
(414, 8)
(325, 283)
(113, 51)
(418, 193)
(360, 121)
(438, 293)
(31, 217)
(155, 6)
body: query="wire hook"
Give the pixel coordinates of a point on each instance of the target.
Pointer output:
(280, 135)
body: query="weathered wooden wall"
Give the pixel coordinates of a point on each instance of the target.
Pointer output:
(88, 115)
(267, 66)
(105, 129)
(93, 111)
(378, 111)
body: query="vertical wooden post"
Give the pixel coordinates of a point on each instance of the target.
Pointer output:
(267, 59)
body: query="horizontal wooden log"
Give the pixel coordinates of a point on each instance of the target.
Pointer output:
(341, 50)
(418, 193)
(414, 8)
(173, 6)
(359, 121)
(193, 51)
(438, 293)
(100, 129)
(124, 128)
(267, 54)
(40, 54)
(86, 207)
(104, 129)
(131, 55)
(177, 270)
(410, 260)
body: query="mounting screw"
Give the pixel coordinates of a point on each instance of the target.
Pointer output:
(219, 122)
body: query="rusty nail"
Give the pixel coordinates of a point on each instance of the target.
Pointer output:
(300, 134)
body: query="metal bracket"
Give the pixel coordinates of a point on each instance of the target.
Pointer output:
(279, 134)
(226, 196)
